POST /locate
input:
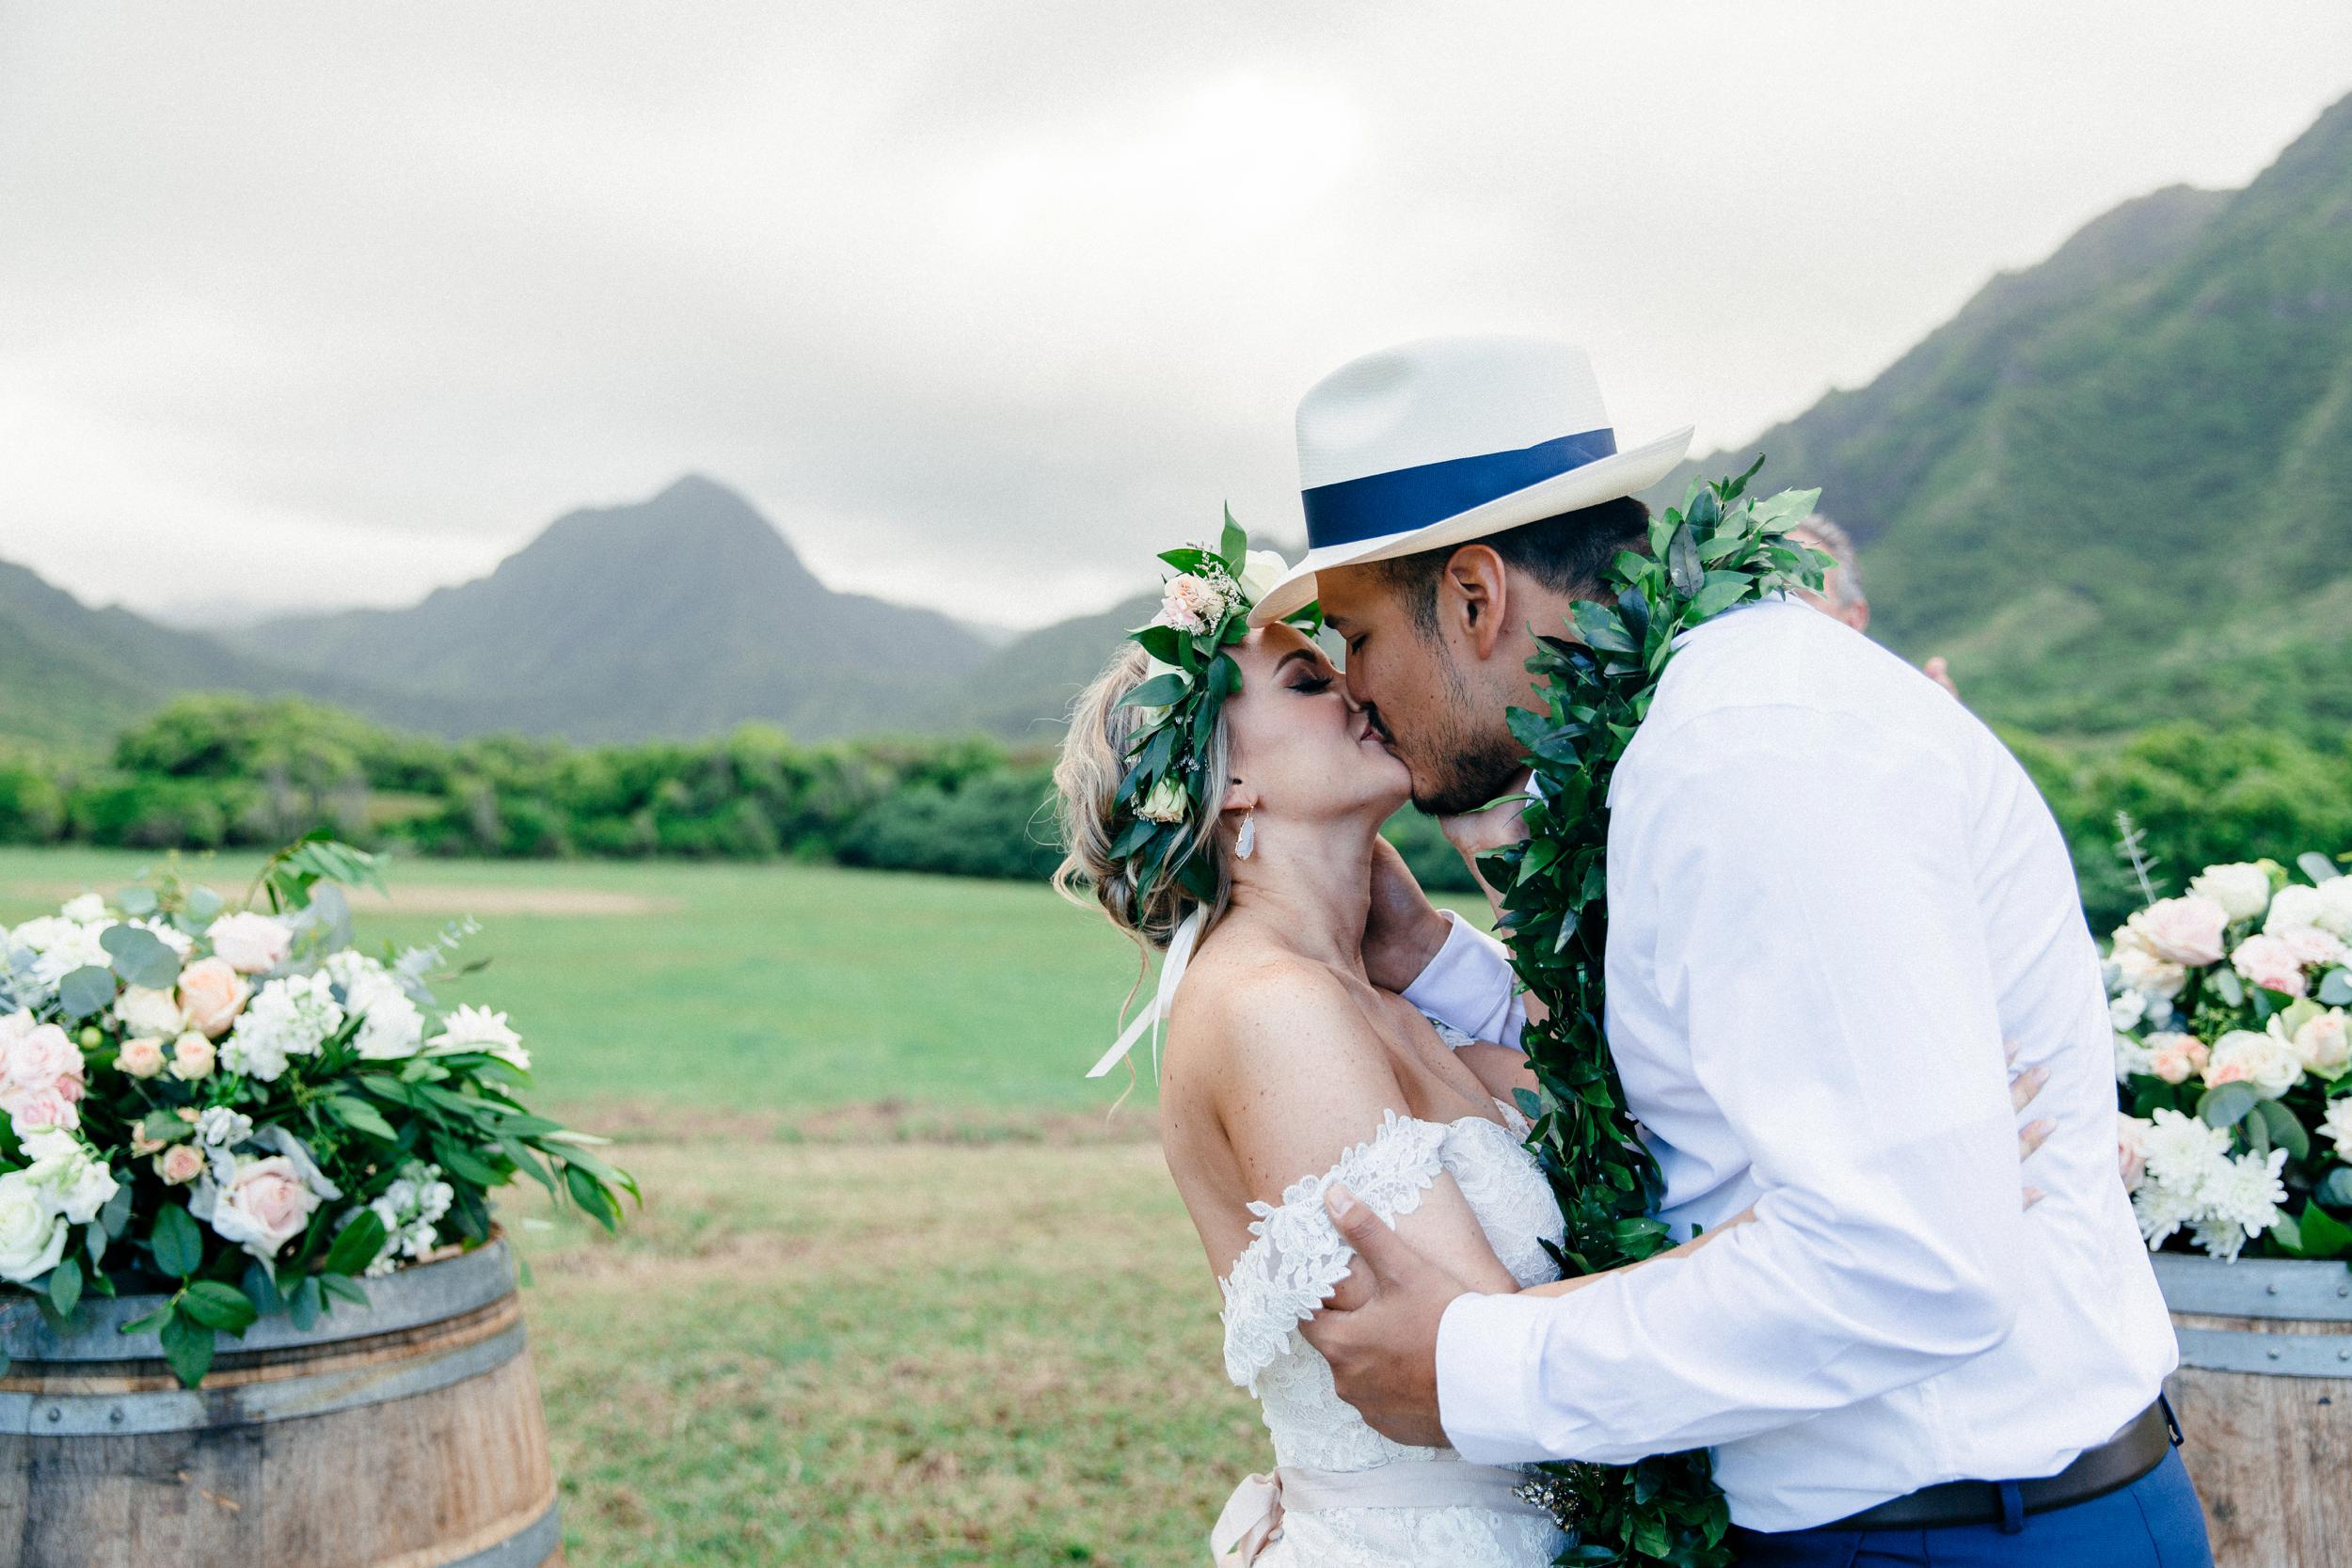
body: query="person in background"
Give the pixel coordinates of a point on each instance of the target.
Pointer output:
(1841, 595)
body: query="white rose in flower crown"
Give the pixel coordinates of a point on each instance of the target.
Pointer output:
(2271, 963)
(85, 908)
(32, 1232)
(2265, 1062)
(213, 993)
(2337, 1124)
(2334, 914)
(2140, 970)
(2322, 1042)
(251, 943)
(2185, 931)
(1166, 802)
(144, 1011)
(260, 1208)
(2295, 905)
(1260, 571)
(2242, 888)
(33, 1111)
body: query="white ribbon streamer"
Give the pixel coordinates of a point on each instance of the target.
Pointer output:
(1172, 967)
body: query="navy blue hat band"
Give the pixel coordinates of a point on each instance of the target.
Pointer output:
(1404, 499)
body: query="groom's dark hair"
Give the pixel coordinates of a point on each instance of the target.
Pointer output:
(1566, 554)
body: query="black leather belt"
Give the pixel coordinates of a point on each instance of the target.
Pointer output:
(2121, 1460)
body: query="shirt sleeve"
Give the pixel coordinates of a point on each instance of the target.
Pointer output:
(1797, 895)
(1471, 986)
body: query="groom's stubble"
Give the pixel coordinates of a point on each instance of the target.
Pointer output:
(1470, 756)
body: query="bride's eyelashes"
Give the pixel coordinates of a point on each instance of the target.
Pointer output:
(1311, 686)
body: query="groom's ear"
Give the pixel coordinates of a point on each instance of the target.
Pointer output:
(1474, 594)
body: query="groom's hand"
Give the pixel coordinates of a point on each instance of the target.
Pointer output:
(1384, 1353)
(1404, 930)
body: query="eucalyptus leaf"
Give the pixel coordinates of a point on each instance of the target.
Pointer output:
(2285, 1132)
(86, 991)
(140, 956)
(2335, 988)
(2318, 867)
(2226, 1104)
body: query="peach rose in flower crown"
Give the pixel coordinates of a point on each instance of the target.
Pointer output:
(264, 1206)
(2270, 963)
(180, 1164)
(213, 993)
(2185, 931)
(250, 944)
(142, 1057)
(2176, 1058)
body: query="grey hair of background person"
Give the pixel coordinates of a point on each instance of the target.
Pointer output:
(1840, 544)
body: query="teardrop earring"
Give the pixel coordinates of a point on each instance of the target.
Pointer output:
(1247, 843)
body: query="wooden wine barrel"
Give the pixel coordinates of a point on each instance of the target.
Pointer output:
(2264, 1397)
(405, 1433)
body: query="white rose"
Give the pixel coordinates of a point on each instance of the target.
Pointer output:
(2142, 971)
(1166, 802)
(2241, 888)
(32, 1232)
(2334, 914)
(87, 907)
(2127, 1009)
(251, 943)
(1260, 571)
(2321, 1042)
(2267, 1063)
(77, 1185)
(142, 1011)
(2295, 905)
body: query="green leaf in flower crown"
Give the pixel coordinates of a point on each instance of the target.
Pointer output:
(135, 900)
(2285, 1132)
(2226, 1104)
(1188, 558)
(1778, 514)
(65, 1285)
(140, 956)
(1165, 644)
(1159, 691)
(87, 990)
(1234, 545)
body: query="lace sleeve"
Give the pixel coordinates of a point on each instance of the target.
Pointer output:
(1295, 1258)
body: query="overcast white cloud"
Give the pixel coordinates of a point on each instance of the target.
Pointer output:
(981, 302)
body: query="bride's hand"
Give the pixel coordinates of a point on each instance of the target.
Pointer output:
(1404, 930)
(2023, 1087)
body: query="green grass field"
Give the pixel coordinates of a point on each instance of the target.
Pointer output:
(900, 1294)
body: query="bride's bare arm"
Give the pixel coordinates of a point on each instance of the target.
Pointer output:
(1300, 1077)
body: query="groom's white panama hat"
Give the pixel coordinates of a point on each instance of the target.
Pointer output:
(1448, 439)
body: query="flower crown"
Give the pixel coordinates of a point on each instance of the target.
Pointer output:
(1204, 610)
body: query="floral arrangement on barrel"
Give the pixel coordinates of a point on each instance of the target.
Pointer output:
(237, 1109)
(2229, 1005)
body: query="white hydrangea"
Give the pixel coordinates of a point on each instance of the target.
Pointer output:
(68, 1173)
(2241, 888)
(411, 1207)
(223, 1128)
(60, 947)
(287, 1018)
(390, 1024)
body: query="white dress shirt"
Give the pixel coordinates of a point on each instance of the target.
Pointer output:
(1833, 893)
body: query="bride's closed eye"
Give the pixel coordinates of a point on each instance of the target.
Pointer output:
(1311, 685)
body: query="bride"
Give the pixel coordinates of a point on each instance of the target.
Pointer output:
(1240, 832)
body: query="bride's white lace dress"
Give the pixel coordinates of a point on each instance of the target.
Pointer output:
(1290, 1266)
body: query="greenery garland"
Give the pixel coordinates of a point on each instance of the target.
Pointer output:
(1718, 550)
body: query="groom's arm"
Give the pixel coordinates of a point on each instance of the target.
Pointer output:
(1443, 964)
(1804, 896)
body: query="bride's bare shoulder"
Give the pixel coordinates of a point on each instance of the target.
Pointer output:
(1268, 1028)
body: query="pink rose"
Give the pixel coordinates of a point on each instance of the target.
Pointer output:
(264, 1206)
(2185, 931)
(251, 943)
(192, 1057)
(141, 1145)
(2270, 963)
(141, 1058)
(2309, 943)
(213, 993)
(37, 1110)
(40, 1057)
(2176, 1058)
(180, 1163)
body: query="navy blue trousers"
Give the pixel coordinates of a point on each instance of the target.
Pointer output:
(2156, 1522)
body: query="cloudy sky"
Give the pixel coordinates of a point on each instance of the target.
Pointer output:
(981, 302)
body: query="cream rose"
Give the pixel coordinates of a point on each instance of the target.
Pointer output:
(78, 1183)
(2270, 1065)
(142, 1057)
(2323, 1042)
(143, 1011)
(180, 1164)
(2310, 944)
(2142, 971)
(1166, 802)
(213, 993)
(2186, 931)
(192, 1056)
(2295, 905)
(2334, 912)
(264, 1206)
(2270, 963)
(2242, 888)
(251, 943)
(32, 1233)
(1260, 571)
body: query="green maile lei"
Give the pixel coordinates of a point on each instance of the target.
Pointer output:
(1718, 550)
(1163, 798)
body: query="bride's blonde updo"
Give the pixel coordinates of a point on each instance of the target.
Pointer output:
(1087, 779)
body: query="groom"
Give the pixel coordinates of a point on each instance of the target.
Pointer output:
(1831, 896)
